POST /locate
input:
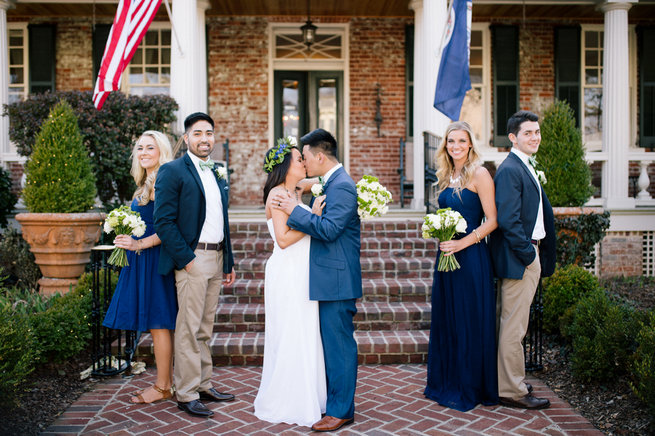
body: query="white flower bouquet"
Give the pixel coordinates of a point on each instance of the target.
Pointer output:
(372, 198)
(443, 225)
(123, 221)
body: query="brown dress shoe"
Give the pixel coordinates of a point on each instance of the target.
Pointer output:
(526, 402)
(330, 423)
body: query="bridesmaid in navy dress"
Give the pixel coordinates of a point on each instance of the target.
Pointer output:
(145, 300)
(462, 351)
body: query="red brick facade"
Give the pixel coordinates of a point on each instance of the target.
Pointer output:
(621, 254)
(536, 67)
(74, 67)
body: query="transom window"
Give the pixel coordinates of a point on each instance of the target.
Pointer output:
(289, 45)
(18, 62)
(149, 71)
(592, 87)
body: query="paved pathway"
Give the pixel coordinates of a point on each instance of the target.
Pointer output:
(389, 401)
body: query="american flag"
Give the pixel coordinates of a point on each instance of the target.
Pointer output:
(132, 20)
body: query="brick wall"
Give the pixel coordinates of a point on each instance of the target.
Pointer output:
(74, 60)
(621, 254)
(536, 67)
(238, 99)
(377, 55)
(16, 171)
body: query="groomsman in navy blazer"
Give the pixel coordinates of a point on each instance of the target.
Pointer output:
(335, 273)
(523, 250)
(192, 222)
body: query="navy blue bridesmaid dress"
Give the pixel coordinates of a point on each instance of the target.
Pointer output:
(462, 351)
(143, 299)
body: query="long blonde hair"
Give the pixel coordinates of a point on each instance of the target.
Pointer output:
(445, 164)
(146, 183)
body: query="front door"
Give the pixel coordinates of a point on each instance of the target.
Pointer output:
(307, 100)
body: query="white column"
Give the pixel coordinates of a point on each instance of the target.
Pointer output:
(4, 76)
(616, 105)
(189, 67)
(429, 22)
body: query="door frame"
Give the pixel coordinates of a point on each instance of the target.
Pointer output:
(343, 65)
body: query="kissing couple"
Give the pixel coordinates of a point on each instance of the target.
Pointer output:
(313, 279)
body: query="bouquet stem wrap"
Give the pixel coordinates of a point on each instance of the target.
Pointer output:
(443, 225)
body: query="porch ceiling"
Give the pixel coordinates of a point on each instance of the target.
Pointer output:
(483, 10)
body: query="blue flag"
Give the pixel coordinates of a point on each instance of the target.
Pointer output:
(453, 80)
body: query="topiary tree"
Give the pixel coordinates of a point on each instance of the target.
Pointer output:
(108, 133)
(561, 156)
(59, 178)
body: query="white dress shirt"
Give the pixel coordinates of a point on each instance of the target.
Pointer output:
(539, 231)
(330, 172)
(212, 229)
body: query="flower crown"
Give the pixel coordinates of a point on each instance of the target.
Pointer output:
(276, 155)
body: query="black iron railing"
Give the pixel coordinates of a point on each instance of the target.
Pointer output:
(112, 350)
(533, 344)
(430, 146)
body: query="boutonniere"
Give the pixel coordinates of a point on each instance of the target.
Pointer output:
(221, 172)
(542, 177)
(317, 188)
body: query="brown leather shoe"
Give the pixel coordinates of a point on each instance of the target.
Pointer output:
(526, 402)
(330, 423)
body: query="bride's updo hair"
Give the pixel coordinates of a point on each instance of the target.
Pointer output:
(278, 172)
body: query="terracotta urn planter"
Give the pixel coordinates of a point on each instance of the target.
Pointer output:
(61, 243)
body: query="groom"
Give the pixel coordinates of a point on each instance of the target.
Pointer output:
(523, 250)
(335, 274)
(192, 222)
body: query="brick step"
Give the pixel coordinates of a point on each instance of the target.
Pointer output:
(369, 317)
(401, 228)
(372, 268)
(414, 246)
(245, 291)
(374, 347)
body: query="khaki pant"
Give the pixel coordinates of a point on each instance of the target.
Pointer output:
(513, 311)
(197, 297)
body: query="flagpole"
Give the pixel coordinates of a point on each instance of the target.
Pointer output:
(170, 17)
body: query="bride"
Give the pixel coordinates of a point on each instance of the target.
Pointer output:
(293, 384)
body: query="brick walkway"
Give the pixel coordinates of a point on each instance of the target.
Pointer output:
(389, 400)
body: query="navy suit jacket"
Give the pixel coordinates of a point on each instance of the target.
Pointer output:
(335, 272)
(180, 208)
(517, 201)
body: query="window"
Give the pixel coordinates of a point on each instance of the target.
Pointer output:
(291, 46)
(475, 109)
(149, 71)
(41, 58)
(592, 87)
(647, 87)
(18, 72)
(567, 67)
(505, 48)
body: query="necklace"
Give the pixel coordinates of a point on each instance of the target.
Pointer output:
(455, 180)
(295, 192)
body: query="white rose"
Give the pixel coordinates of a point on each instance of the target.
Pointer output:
(461, 226)
(107, 228)
(542, 177)
(221, 172)
(139, 231)
(317, 189)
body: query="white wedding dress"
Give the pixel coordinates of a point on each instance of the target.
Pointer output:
(293, 384)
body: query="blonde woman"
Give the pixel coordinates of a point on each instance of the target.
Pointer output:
(462, 351)
(145, 300)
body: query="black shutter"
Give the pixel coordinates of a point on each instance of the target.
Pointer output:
(100, 35)
(567, 67)
(505, 45)
(647, 91)
(42, 58)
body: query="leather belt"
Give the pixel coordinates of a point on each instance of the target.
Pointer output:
(535, 242)
(210, 246)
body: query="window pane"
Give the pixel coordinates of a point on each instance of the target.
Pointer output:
(476, 57)
(593, 114)
(152, 37)
(591, 58)
(138, 56)
(472, 111)
(165, 75)
(15, 95)
(15, 37)
(16, 56)
(136, 75)
(476, 38)
(476, 75)
(15, 75)
(591, 39)
(148, 90)
(152, 75)
(327, 105)
(591, 76)
(166, 56)
(166, 37)
(290, 109)
(152, 56)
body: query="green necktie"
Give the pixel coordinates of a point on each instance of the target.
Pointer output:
(207, 165)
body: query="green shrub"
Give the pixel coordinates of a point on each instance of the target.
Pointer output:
(7, 198)
(563, 290)
(24, 301)
(561, 156)
(603, 332)
(17, 261)
(18, 352)
(59, 178)
(643, 365)
(577, 237)
(108, 133)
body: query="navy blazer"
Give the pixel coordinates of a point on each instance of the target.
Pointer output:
(517, 201)
(335, 272)
(180, 214)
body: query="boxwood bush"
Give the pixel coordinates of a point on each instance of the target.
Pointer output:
(643, 365)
